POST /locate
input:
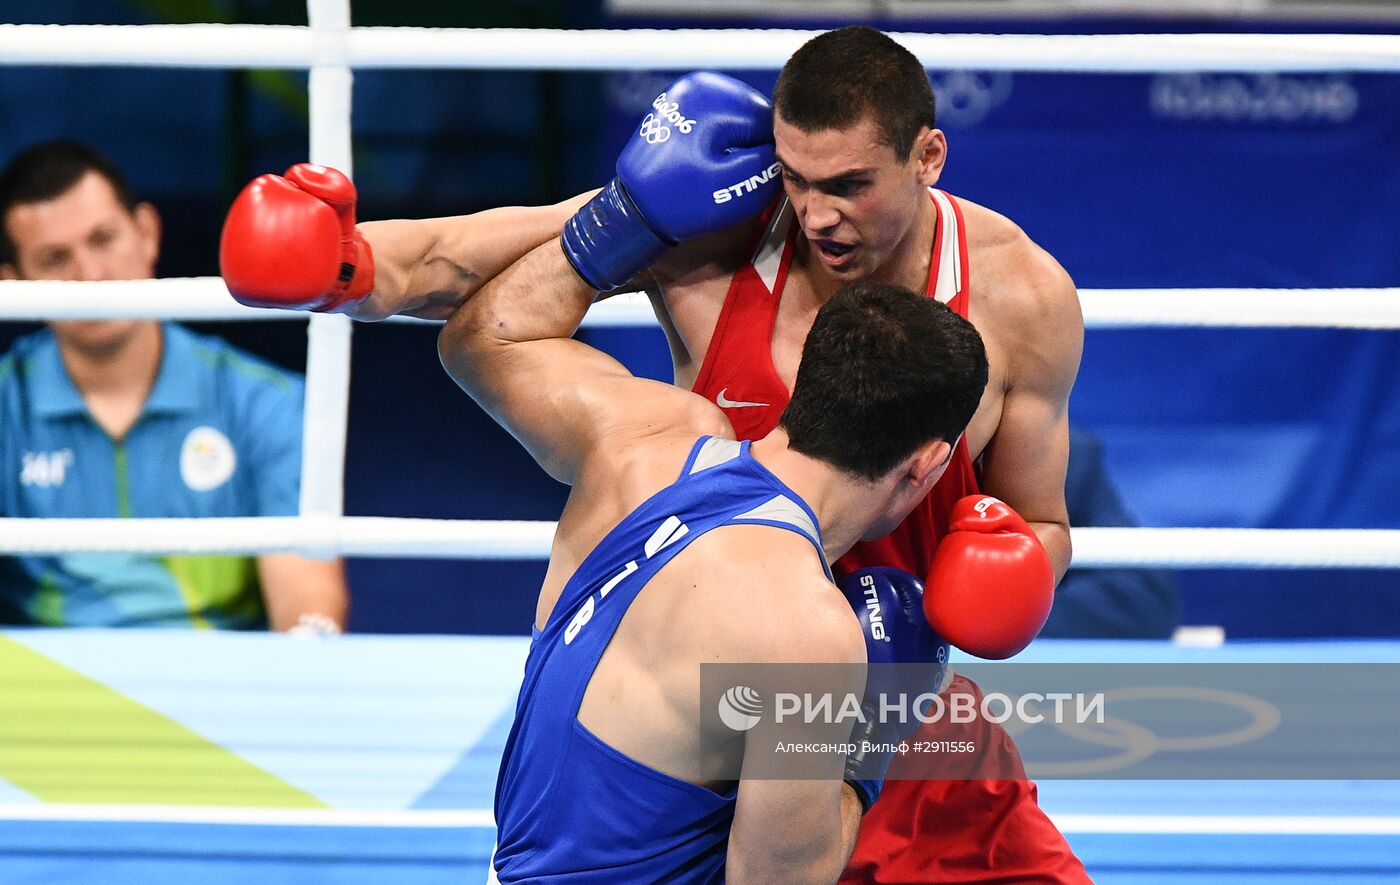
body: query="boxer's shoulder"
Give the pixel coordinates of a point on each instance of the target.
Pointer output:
(637, 460)
(1001, 251)
(1018, 288)
(749, 579)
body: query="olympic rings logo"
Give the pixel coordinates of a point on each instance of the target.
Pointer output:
(653, 130)
(966, 98)
(1134, 742)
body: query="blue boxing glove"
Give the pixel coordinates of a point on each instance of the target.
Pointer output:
(890, 606)
(700, 161)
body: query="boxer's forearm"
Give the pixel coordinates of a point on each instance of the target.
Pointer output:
(414, 274)
(430, 267)
(851, 812)
(510, 347)
(540, 297)
(492, 340)
(792, 852)
(1054, 537)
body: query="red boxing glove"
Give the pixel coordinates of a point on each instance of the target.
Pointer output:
(992, 584)
(291, 242)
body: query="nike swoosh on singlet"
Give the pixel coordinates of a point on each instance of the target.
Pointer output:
(725, 402)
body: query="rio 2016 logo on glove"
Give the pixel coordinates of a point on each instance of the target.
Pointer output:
(654, 128)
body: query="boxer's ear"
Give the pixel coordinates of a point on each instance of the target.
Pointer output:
(929, 153)
(929, 462)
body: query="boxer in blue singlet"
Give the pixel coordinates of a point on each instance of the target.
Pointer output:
(680, 547)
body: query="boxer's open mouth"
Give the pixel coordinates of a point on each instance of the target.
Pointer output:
(832, 252)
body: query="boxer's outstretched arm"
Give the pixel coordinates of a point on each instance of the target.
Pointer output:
(1025, 462)
(510, 348)
(291, 242)
(427, 268)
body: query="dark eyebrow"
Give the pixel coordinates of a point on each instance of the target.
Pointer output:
(829, 180)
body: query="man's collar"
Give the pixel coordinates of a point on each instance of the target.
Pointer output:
(176, 389)
(55, 395)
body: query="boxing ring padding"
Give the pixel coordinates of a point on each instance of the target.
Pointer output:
(373, 758)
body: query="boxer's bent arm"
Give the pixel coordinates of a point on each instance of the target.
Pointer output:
(799, 831)
(791, 832)
(851, 813)
(509, 347)
(427, 268)
(1025, 462)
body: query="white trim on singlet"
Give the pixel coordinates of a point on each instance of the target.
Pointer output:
(768, 257)
(714, 452)
(949, 258)
(781, 508)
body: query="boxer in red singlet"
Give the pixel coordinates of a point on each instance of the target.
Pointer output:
(737, 307)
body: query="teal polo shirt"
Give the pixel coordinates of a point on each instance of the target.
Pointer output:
(219, 435)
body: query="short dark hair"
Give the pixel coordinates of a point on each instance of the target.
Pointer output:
(883, 372)
(46, 171)
(839, 78)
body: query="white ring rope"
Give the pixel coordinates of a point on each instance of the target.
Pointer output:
(369, 536)
(205, 298)
(520, 539)
(290, 46)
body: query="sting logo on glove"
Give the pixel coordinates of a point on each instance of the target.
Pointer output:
(872, 608)
(889, 604)
(748, 185)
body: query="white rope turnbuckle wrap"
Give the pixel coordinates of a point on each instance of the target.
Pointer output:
(330, 48)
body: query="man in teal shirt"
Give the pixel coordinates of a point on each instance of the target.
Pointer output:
(135, 418)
